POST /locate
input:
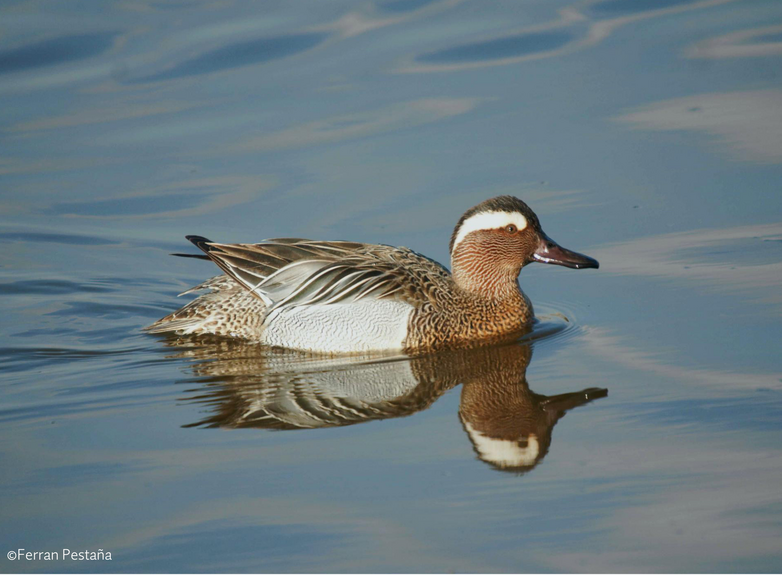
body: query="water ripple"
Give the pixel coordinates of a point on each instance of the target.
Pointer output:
(49, 287)
(66, 239)
(398, 6)
(238, 55)
(617, 7)
(140, 205)
(20, 359)
(499, 48)
(54, 51)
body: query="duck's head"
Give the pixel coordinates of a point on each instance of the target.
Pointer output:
(495, 239)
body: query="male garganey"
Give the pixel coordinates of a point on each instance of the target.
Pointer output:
(346, 297)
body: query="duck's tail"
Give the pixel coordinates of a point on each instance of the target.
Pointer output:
(201, 243)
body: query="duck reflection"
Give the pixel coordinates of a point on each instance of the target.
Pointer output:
(509, 425)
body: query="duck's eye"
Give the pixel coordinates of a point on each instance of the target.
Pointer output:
(511, 229)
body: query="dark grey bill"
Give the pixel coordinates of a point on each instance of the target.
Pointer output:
(549, 252)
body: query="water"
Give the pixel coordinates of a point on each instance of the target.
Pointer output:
(645, 134)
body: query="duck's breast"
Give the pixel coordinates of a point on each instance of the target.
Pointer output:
(365, 325)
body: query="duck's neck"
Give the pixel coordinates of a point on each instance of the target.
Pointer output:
(484, 273)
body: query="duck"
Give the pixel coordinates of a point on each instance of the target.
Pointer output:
(341, 297)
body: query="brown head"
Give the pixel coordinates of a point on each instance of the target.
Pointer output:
(495, 239)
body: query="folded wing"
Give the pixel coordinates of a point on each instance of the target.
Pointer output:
(297, 272)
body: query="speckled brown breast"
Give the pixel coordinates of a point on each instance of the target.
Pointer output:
(459, 319)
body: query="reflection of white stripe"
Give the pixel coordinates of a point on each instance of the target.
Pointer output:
(504, 452)
(489, 221)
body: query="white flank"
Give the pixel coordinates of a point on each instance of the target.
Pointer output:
(489, 221)
(367, 325)
(504, 452)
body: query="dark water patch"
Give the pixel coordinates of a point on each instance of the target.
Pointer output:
(109, 335)
(108, 208)
(499, 48)
(765, 39)
(398, 6)
(54, 51)
(182, 6)
(48, 287)
(111, 283)
(65, 239)
(240, 54)
(142, 205)
(110, 389)
(89, 309)
(619, 7)
(16, 359)
(154, 362)
(62, 352)
(51, 412)
(45, 332)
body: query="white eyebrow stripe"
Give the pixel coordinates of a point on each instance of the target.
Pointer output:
(489, 221)
(504, 452)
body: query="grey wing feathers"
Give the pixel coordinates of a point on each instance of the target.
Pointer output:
(291, 271)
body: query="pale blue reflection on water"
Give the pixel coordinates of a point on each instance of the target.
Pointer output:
(644, 133)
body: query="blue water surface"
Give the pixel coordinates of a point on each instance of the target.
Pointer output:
(637, 429)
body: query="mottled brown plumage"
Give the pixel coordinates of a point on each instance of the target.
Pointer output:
(352, 297)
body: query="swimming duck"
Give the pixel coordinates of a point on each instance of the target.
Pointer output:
(347, 297)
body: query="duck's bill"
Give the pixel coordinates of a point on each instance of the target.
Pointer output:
(549, 252)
